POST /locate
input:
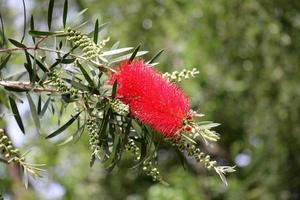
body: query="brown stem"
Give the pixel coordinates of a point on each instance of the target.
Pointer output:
(25, 86)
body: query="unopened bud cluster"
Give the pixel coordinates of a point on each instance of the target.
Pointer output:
(192, 150)
(9, 152)
(89, 48)
(93, 134)
(57, 82)
(131, 146)
(119, 107)
(178, 76)
(152, 171)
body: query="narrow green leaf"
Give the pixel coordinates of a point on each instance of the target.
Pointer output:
(2, 31)
(114, 90)
(66, 60)
(60, 60)
(86, 76)
(46, 33)
(4, 62)
(96, 31)
(78, 16)
(34, 113)
(25, 178)
(50, 12)
(16, 43)
(155, 56)
(16, 113)
(100, 28)
(110, 161)
(43, 111)
(24, 20)
(134, 53)
(39, 106)
(41, 65)
(78, 85)
(14, 89)
(32, 26)
(28, 66)
(102, 132)
(64, 127)
(65, 13)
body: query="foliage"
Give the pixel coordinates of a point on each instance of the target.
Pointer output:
(76, 75)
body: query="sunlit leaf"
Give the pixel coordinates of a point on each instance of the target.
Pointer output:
(115, 51)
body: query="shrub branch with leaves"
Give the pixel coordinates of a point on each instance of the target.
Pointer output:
(122, 102)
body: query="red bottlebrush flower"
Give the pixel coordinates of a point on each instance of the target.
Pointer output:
(151, 99)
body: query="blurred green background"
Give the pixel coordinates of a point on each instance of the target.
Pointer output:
(248, 55)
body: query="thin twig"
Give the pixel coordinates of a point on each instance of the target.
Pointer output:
(26, 86)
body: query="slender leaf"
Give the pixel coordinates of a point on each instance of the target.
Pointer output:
(33, 112)
(77, 17)
(43, 111)
(16, 43)
(24, 20)
(25, 178)
(66, 60)
(100, 28)
(32, 26)
(110, 161)
(155, 56)
(127, 56)
(65, 13)
(16, 113)
(64, 127)
(114, 90)
(41, 65)
(96, 31)
(134, 53)
(4, 62)
(116, 51)
(39, 106)
(2, 31)
(28, 66)
(210, 125)
(50, 12)
(46, 33)
(86, 76)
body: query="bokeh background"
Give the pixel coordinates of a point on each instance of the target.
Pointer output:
(248, 55)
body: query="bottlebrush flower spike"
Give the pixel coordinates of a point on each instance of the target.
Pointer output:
(151, 98)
